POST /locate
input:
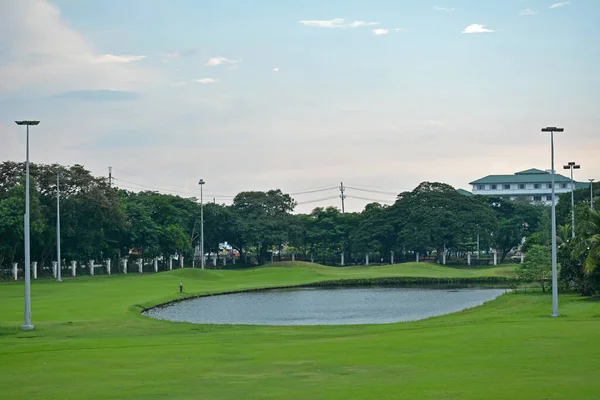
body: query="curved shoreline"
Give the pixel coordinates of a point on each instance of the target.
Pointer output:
(423, 282)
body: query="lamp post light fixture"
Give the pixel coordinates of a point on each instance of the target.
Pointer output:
(571, 165)
(202, 263)
(591, 192)
(553, 129)
(27, 326)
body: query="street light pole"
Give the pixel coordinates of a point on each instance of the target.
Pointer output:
(27, 326)
(591, 192)
(58, 273)
(571, 165)
(554, 268)
(201, 183)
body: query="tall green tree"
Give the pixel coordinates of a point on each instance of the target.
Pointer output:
(537, 266)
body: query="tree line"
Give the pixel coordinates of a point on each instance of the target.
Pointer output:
(100, 222)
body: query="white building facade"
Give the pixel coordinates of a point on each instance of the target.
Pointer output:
(532, 184)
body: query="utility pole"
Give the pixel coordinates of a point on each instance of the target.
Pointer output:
(342, 195)
(109, 176)
(201, 183)
(58, 275)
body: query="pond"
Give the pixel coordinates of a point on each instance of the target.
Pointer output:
(345, 306)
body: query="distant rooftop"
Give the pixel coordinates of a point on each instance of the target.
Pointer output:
(532, 175)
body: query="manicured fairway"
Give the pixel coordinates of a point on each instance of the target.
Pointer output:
(91, 343)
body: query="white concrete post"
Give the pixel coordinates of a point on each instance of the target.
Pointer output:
(522, 257)
(233, 259)
(108, 266)
(16, 271)
(73, 268)
(367, 260)
(180, 261)
(293, 257)
(140, 264)
(54, 264)
(34, 265)
(125, 261)
(170, 263)
(392, 258)
(92, 267)
(342, 259)
(224, 260)
(495, 258)
(214, 260)
(417, 257)
(444, 258)
(155, 264)
(312, 258)
(271, 257)
(468, 258)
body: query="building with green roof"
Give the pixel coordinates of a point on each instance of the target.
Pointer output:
(533, 184)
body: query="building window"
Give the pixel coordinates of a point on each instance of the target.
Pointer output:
(537, 198)
(521, 186)
(506, 186)
(563, 185)
(494, 187)
(549, 186)
(480, 187)
(537, 186)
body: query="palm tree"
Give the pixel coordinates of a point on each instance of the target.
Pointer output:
(587, 242)
(563, 234)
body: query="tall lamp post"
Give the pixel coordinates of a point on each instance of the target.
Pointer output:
(201, 183)
(553, 129)
(571, 165)
(27, 326)
(58, 267)
(591, 192)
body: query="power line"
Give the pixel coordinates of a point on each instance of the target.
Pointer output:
(152, 187)
(314, 191)
(364, 198)
(372, 191)
(317, 200)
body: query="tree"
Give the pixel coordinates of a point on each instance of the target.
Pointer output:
(435, 215)
(262, 219)
(537, 266)
(587, 242)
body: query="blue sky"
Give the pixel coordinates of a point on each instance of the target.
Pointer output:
(301, 95)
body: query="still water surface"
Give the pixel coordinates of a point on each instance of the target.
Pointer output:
(324, 306)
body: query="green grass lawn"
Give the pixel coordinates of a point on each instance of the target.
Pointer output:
(90, 342)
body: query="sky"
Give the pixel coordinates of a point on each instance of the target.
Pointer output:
(378, 94)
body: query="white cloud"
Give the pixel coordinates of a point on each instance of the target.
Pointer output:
(276, 69)
(556, 5)
(357, 24)
(337, 23)
(385, 31)
(477, 28)
(111, 58)
(207, 80)
(437, 8)
(527, 11)
(214, 61)
(41, 53)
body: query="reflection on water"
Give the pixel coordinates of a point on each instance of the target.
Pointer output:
(324, 306)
